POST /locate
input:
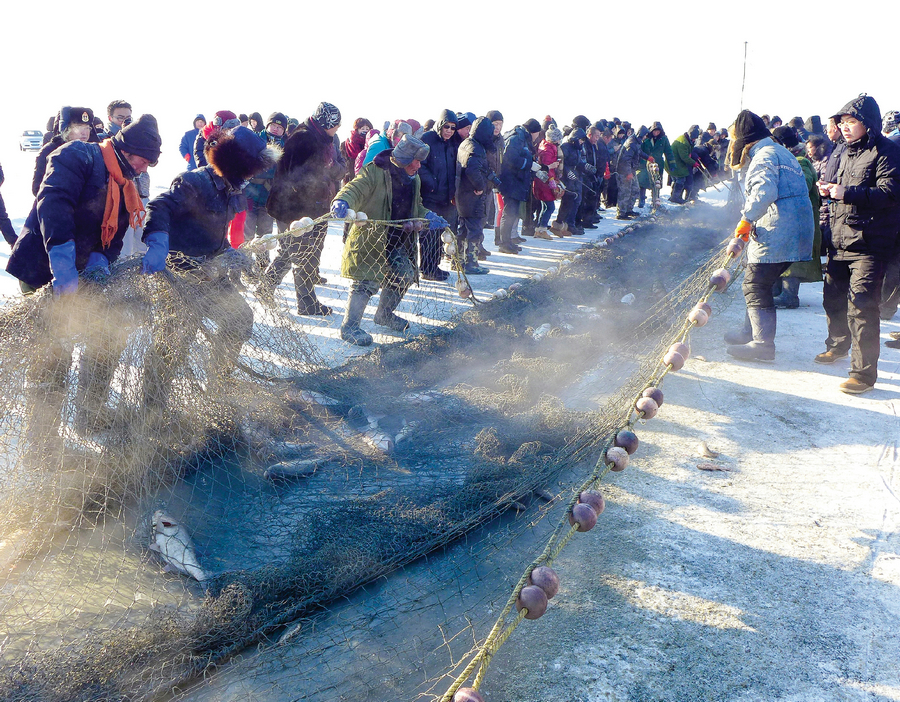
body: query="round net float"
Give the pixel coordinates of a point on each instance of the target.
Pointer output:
(618, 457)
(654, 394)
(467, 694)
(584, 515)
(647, 406)
(627, 440)
(698, 316)
(720, 279)
(447, 236)
(534, 600)
(595, 499)
(545, 578)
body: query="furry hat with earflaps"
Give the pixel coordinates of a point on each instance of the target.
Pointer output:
(238, 154)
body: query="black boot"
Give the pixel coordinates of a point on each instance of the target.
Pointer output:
(744, 335)
(762, 348)
(351, 332)
(387, 302)
(788, 298)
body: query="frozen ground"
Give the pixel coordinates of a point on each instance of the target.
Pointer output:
(774, 579)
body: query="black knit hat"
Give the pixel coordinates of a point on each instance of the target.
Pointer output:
(462, 121)
(279, 119)
(581, 121)
(711, 125)
(748, 128)
(786, 136)
(532, 125)
(494, 115)
(141, 138)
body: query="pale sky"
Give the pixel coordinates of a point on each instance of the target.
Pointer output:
(677, 62)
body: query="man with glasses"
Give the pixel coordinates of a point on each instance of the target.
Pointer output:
(119, 114)
(438, 178)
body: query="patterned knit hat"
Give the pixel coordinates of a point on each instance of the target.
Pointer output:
(327, 115)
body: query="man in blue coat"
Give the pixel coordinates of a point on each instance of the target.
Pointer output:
(186, 147)
(438, 177)
(519, 168)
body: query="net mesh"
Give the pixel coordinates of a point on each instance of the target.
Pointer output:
(199, 503)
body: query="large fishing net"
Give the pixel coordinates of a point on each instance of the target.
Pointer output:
(198, 503)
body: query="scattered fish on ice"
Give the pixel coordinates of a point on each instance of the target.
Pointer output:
(293, 470)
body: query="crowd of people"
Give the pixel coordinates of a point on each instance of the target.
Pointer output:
(806, 189)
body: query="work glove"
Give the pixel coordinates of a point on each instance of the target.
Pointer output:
(339, 208)
(590, 168)
(743, 229)
(97, 268)
(571, 176)
(62, 265)
(436, 221)
(154, 260)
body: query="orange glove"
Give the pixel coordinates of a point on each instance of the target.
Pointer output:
(187, 157)
(743, 229)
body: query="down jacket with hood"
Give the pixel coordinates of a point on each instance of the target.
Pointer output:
(628, 158)
(517, 159)
(573, 160)
(867, 220)
(682, 163)
(661, 151)
(777, 200)
(438, 171)
(474, 173)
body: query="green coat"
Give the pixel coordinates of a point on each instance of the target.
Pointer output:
(365, 250)
(657, 149)
(810, 271)
(682, 163)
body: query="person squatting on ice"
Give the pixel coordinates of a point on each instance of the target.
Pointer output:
(387, 189)
(191, 218)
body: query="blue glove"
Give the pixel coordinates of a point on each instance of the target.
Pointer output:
(436, 221)
(62, 265)
(339, 208)
(157, 249)
(97, 263)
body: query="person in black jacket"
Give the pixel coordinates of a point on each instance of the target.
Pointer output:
(306, 180)
(6, 227)
(191, 219)
(595, 159)
(473, 188)
(865, 226)
(518, 171)
(438, 177)
(573, 178)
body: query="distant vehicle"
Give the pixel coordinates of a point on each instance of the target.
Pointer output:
(31, 140)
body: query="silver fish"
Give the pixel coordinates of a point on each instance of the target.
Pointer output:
(292, 470)
(172, 542)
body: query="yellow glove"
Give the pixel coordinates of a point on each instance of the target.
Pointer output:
(743, 230)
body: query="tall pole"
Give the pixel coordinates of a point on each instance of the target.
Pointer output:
(744, 79)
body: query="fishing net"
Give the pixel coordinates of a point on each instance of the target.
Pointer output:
(198, 503)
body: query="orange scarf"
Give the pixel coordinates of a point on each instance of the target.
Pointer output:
(110, 224)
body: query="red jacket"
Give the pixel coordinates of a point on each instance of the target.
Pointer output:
(548, 153)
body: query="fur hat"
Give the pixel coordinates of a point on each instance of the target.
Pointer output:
(532, 126)
(70, 116)
(141, 138)
(238, 154)
(494, 115)
(410, 149)
(748, 129)
(327, 115)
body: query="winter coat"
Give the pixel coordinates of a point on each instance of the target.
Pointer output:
(438, 171)
(257, 190)
(777, 200)
(199, 145)
(867, 220)
(375, 144)
(186, 147)
(195, 212)
(682, 163)
(69, 206)
(515, 175)
(365, 250)
(548, 153)
(495, 155)
(474, 171)
(573, 164)
(809, 271)
(628, 159)
(40, 162)
(661, 151)
(306, 177)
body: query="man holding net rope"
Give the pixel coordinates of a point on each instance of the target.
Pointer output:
(190, 221)
(377, 256)
(86, 202)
